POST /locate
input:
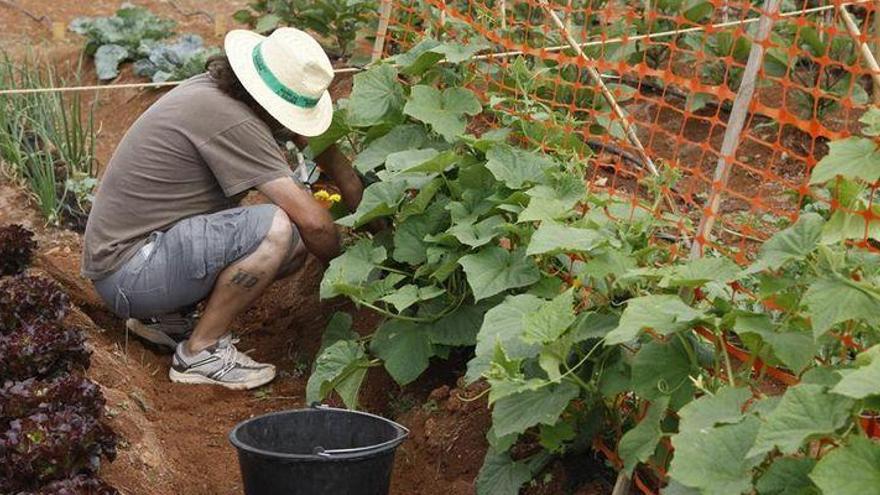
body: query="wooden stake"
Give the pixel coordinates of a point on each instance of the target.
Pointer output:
(606, 93)
(735, 124)
(59, 31)
(503, 14)
(622, 484)
(867, 55)
(220, 26)
(384, 20)
(877, 44)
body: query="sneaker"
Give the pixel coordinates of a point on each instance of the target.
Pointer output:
(164, 332)
(221, 364)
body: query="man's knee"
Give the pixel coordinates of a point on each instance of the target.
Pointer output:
(281, 234)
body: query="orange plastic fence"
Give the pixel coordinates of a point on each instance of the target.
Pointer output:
(675, 67)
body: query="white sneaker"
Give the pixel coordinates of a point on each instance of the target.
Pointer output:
(163, 332)
(221, 364)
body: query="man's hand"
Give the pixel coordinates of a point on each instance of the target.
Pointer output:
(334, 163)
(313, 221)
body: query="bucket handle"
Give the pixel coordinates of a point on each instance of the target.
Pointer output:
(319, 451)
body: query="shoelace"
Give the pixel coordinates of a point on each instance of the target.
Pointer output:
(229, 359)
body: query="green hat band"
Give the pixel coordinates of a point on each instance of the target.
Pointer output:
(277, 86)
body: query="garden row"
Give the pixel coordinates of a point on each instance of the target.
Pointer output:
(53, 430)
(590, 327)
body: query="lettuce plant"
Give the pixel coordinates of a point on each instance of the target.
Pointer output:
(16, 249)
(33, 395)
(76, 485)
(40, 349)
(136, 34)
(44, 447)
(30, 299)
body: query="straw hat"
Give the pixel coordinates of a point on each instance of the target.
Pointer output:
(287, 73)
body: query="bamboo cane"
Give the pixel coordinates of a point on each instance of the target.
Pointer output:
(606, 93)
(877, 44)
(735, 125)
(867, 55)
(382, 30)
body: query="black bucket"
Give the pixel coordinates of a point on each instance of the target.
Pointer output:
(315, 451)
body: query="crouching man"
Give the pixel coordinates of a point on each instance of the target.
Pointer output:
(165, 231)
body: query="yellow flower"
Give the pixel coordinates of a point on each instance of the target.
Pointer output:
(325, 197)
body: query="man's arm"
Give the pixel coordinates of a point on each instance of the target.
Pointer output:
(313, 221)
(335, 164)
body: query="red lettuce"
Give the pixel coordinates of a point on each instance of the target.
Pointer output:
(44, 447)
(30, 299)
(16, 249)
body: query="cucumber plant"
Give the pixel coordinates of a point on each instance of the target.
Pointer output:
(583, 319)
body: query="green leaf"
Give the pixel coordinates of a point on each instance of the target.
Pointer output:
(794, 349)
(405, 349)
(400, 138)
(422, 200)
(788, 476)
(380, 199)
(501, 475)
(338, 328)
(663, 369)
(714, 460)
(550, 320)
(852, 158)
(871, 119)
(831, 300)
(352, 268)
(663, 314)
(342, 366)
(409, 238)
(805, 411)
(338, 129)
(517, 168)
(493, 270)
(460, 327)
(793, 243)
(480, 233)
(445, 112)
(844, 225)
(376, 97)
(861, 382)
(700, 271)
(555, 437)
(724, 407)
(409, 294)
(267, 23)
(419, 161)
(419, 58)
(853, 469)
(638, 444)
(503, 325)
(456, 52)
(518, 412)
(107, 60)
(553, 201)
(554, 238)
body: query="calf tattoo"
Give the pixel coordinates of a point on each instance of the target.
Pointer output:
(245, 279)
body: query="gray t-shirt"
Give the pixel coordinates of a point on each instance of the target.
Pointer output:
(189, 154)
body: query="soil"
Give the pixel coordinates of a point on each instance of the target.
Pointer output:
(174, 437)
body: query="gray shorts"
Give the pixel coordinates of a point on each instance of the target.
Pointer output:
(177, 268)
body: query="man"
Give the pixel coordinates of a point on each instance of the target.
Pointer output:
(165, 234)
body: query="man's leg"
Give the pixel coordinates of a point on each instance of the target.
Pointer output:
(239, 284)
